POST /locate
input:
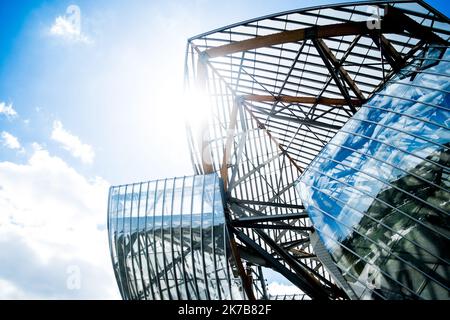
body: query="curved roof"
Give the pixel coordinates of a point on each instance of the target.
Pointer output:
(304, 73)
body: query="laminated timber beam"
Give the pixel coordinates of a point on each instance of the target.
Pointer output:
(338, 67)
(394, 21)
(396, 16)
(393, 57)
(293, 99)
(415, 29)
(316, 32)
(331, 66)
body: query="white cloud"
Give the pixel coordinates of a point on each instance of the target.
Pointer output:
(68, 30)
(10, 141)
(7, 110)
(276, 288)
(72, 143)
(10, 291)
(52, 218)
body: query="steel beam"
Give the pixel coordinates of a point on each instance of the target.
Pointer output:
(239, 209)
(294, 243)
(267, 203)
(259, 123)
(297, 56)
(299, 281)
(274, 217)
(229, 140)
(293, 99)
(395, 16)
(393, 57)
(234, 183)
(269, 134)
(407, 56)
(244, 224)
(205, 149)
(302, 269)
(308, 122)
(331, 69)
(337, 65)
(313, 284)
(341, 61)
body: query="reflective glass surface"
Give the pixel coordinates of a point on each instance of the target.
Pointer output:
(379, 193)
(168, 240)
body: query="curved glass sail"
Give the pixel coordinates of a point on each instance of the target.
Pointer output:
(379, 193)
(168, 240)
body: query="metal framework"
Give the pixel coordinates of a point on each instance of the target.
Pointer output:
(272, 96)
(278, 88)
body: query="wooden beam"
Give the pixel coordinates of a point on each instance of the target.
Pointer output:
(340, 69)
(259, 123)
(395, 16)
(315, 32)
(407, 56)
(394, 21)
(393, 57)
(293, 99)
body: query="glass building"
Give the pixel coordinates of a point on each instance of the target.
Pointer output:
(320, 148)
(379, 193)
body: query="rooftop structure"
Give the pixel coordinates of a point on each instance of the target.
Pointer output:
(270, 95)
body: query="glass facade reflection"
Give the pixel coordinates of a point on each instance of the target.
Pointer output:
(378, 194)
(168, 240)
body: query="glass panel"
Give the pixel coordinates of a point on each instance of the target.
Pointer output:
(378, 193)
(168, 240)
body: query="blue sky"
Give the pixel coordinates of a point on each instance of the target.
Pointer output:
(80, 111)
